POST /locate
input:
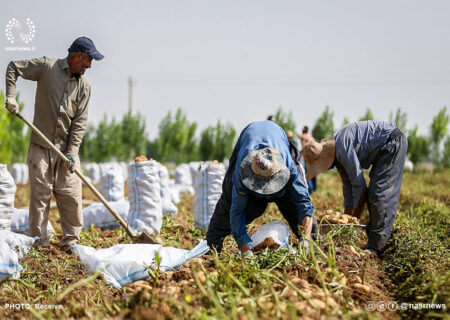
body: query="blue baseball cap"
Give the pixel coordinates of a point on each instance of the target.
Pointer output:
(85, 45)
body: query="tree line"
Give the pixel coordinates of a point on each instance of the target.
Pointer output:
(179, 141)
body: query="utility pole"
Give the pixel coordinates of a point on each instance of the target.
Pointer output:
(130, 94)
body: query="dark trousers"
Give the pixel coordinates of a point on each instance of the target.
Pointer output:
(219, 226)
(384, 189)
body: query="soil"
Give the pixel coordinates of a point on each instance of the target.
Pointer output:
(49, 272)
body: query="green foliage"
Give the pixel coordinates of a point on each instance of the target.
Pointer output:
(367, 116)
(113, 140)
(216, 143)
(14, 139)
(285, 120)
(446, 153)
(324, 127)
(439, 128)
(176, 141)
(418, 146)
(5, 144)
(345, 122)
(400, 119)
(419, 262)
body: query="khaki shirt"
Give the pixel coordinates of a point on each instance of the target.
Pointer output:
(61, 106)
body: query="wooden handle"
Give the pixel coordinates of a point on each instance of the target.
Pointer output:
(83, 178)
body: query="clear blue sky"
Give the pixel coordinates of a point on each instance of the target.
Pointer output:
(238, 61)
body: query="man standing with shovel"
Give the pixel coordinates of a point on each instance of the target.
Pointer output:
(61, 110)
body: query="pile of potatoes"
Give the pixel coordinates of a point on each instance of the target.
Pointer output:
(339, 218)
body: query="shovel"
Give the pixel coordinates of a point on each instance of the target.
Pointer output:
(137, 238)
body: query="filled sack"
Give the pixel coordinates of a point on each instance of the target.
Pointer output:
(98, 215)
(144, 195)
(20, 223)
(7, 193)
(13, 247)
(208, 189)
(112, 184)
(274, 234)
(166, 195)
(124, 264)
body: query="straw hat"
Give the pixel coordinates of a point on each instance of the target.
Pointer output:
(318, 156)
(264, 171)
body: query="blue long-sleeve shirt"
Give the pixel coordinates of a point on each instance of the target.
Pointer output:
(356, 146)
(259, 135)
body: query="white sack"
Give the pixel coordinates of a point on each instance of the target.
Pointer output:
(98, 215)
(24, 173)
(124, 264)
(13, 247)
(276, 230)
(20, 222)
(183, 174)
(111, 184)
(166, 195)
(144, 195)
(93, 172)
(208, 189)
(7, 193)
(193, 168)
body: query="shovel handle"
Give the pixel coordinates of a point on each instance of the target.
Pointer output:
(82, 177)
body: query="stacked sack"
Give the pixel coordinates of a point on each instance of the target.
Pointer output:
(7, 192)
(111, 184)
(208, 189)
(144, 195)
(167, 199)
(20, 173)
(20, 223)
(183, 179)
(93, 172)
(13, 247)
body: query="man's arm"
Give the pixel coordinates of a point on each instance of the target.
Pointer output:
(346, 190)
(237, 220)
(78, 126)
(352, 167)
(27, 69)
(298, 195)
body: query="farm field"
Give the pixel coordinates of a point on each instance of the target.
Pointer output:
(335, 280)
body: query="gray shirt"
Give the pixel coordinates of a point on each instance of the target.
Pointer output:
(357, 145)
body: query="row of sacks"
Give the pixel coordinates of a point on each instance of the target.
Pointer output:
(151, 195)
(95, 171)
(13, 246)
(149, 198)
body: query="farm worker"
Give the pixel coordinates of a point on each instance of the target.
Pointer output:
(263, 168)
(355, 147)
(60, 113)
(305, 137)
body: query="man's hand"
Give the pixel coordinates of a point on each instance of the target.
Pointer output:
(304, 243)
(11, 104)
(348, 210)
(245, 248)
(70, 163)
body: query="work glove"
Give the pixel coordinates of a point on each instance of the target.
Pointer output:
(11, 104)
(70, 163)
(304, 243)
(248, 254)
